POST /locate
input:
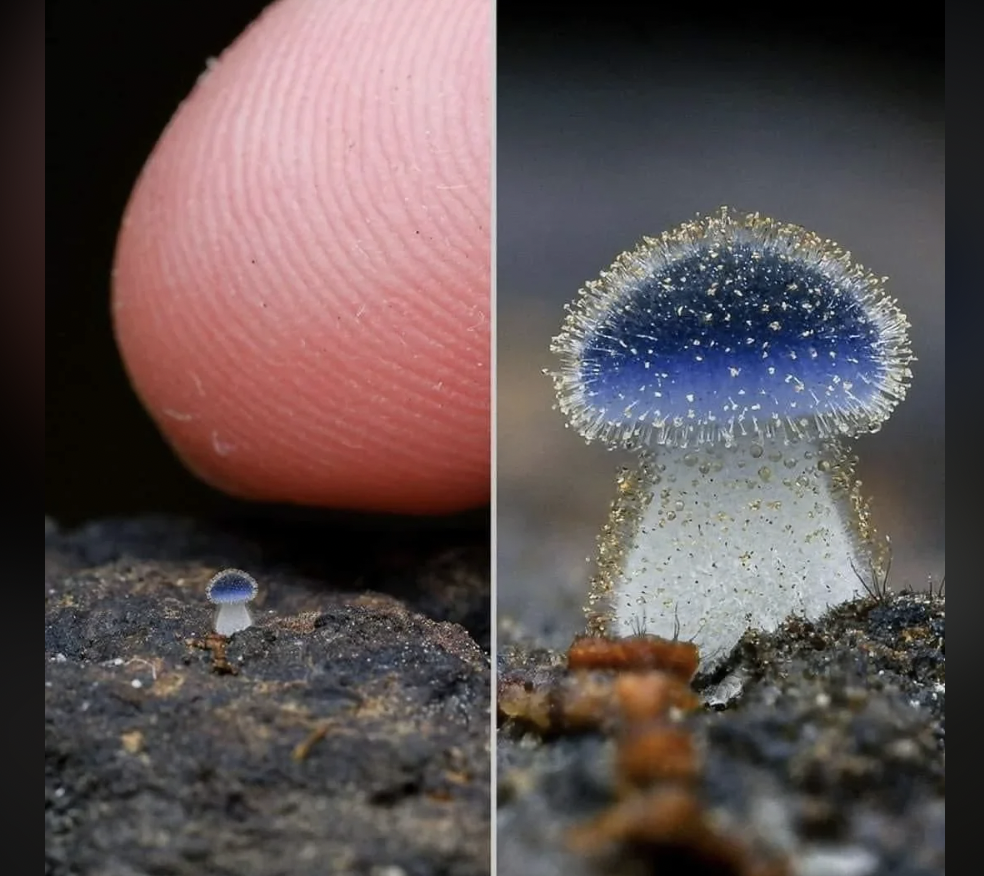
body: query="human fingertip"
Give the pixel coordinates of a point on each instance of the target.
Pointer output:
(302, 279)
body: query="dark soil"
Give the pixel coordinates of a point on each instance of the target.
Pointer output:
(824, 743)
(346, 731)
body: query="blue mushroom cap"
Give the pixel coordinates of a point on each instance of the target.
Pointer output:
(231, 586)
(731, 325)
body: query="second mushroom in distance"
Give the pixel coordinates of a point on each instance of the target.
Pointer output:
(737, 354)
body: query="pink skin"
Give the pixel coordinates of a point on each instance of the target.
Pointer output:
(301, 291)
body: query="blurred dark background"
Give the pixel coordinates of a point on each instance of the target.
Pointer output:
(612, 125)
(119, 71)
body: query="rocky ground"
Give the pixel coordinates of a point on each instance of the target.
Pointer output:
(822, 747)
(347, 731)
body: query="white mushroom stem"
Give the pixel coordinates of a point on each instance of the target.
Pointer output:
(232, 617)
(704, 543)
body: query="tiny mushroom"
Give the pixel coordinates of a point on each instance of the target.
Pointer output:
(231, 590)
(737, 354)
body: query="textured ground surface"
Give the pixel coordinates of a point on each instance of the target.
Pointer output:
(832, 754)
(346, 731)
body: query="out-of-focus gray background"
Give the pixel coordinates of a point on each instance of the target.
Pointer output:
(611, 130)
